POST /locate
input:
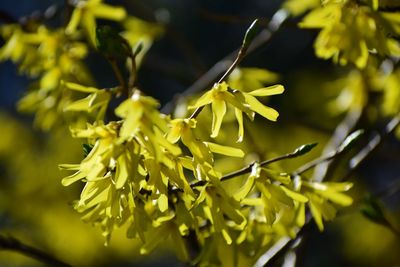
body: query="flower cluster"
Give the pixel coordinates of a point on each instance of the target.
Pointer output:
(56, 57)
(153, 174)
(350, 30)
(156, 176)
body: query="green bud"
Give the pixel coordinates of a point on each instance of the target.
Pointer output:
(304, 149)
(351, 140)
(110, 43)
(250, 34)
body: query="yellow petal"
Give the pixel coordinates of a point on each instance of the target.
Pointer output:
(316, 212)
(239, 118)
(79, 105)
(245, 189)
(105, 11)
(258, 107)
(80, 88)
(121, 175)
(89, 23)
(72, 178)
(163, 202)
(205, 99)
(271, 90)
(294, 195)
(338, 198)
(218, 111)
(225, 150)
(74, 21)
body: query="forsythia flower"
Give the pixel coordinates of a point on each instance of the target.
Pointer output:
(87, 11)
(350, 31)
(220, 94)
(52, 56)
(97, 100)
(140, 31)
(298, 7)
(248, 79)
(320, 196)
(201, 151)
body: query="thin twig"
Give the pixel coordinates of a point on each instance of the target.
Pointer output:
(214, 72)
(316, 162)
(249, 168)
(120, 77)
(348, 125)
(372, 145)
(239, 57)
(11, 243)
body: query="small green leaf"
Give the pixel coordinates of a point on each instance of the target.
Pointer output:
(138, 48)
(110, 43)
(373, 210)
(350, 140)
(86, 149)
(250, 34)
(304, 149)
(294, 195)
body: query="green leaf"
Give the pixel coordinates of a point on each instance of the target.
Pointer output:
(250, 34)
(110, 43)
(351, 140)
(304, 149)
(373, 210)
(138, 48)
(87, 148)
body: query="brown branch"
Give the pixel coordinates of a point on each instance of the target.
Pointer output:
(118, 74)
(11, 243)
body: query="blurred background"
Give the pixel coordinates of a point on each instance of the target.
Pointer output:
(36, 209)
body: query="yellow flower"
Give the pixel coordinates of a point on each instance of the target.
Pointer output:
(140, 31)
(321, 195)
(145, 123)
(202, 152)
(249, 79)
(350, 31)
(97, 100)
(87, 11)
(298, 7)
(221, 94)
